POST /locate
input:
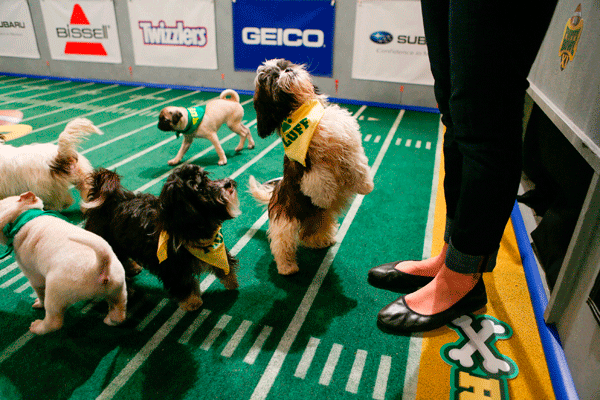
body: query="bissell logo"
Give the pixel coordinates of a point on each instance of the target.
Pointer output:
(78, 17)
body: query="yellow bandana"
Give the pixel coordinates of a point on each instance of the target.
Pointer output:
(298, 129)
(211, 251)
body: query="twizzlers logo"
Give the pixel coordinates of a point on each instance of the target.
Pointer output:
(178, 35)
(79, 28)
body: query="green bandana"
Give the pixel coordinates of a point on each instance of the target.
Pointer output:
(12, 228)
(195, 115)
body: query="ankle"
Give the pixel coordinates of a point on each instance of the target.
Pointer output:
(428, 267)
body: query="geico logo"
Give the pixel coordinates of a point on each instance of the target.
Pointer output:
(290, 37)
(86, 33)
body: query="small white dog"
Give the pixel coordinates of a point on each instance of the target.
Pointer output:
(204, 122)
(63, 262)
(324, 164)
(48, 169)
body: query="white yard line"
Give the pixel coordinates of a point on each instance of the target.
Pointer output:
(40, 103)
(82, 103)
(195, 157)
(21, 83)
(265, 384)
(123, 136)
(39, 94)
(97, 111)
(12, 80)
(411, 376)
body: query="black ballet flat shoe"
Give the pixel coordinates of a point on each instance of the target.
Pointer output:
(398, 319)
(387, 277)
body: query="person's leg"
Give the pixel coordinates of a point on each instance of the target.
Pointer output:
(436, 25)
(488, 82)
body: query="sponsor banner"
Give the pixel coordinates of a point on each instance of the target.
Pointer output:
(389, 43)
(17, 36)
(174, 33)
(297, 30)
(84, 30)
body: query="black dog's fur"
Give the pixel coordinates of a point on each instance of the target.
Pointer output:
(190, 208)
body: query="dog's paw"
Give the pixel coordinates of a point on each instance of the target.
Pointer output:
(132, 268)
(192, 303)
(318, 244)
(173, 162)
(37, 327)
(114, 322)
(288, 269)
(222, 162)
(40, 327)
(37, 304)
(230, 281)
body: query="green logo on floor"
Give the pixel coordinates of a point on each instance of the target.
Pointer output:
(479, 371)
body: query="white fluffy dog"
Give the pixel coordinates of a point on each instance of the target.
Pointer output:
(324, 164)
(47, 169)
(63, 262)
(204, 122)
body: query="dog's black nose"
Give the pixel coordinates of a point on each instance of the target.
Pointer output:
(229, 183)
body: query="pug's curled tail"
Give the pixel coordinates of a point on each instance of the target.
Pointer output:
(230, 94)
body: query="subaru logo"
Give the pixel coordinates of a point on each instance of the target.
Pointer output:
(381, 37)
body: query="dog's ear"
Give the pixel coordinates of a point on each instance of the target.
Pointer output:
(265, 121)
(27, 198)
(176, 117)
(270, 113)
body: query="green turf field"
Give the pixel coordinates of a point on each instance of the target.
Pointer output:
(308, 336)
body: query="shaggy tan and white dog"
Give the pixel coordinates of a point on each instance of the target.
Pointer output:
(49, 170)
(324, 166)
(63, 262)
(204, 122)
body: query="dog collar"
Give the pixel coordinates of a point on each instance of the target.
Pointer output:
(297, 130)
(195, 115)
(211, 251)
(12, 228)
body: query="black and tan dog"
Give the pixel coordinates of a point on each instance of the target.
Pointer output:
(176, 236)
(204, 122)
(324, 164)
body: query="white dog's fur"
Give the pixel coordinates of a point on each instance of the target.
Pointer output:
(305, 205)
(48, 170)
(225, 110)
(64, 264)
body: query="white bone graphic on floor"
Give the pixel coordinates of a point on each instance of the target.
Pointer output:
(477, 343)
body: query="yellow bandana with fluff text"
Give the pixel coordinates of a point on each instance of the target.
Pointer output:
(211, 251)
(297, 130)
